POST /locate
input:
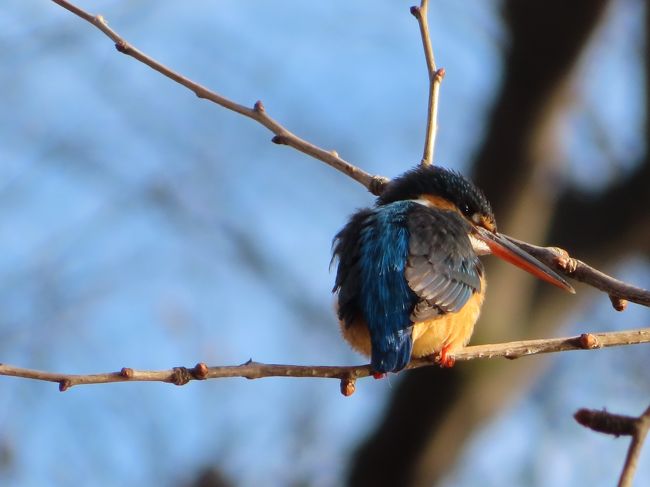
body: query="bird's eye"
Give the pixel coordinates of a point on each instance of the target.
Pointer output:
(465, 209)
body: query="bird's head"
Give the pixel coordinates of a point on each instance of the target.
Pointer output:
(443, 189)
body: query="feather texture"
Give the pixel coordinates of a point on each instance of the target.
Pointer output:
(372, 250)
(401, 263)
(439, 247)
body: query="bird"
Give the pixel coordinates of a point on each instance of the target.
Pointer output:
(409, 281)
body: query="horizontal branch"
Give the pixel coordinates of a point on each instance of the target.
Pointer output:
(559, 259)
(283, 136)
(347, 374)
(606, 422)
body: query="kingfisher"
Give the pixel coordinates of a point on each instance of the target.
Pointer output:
(409, 280)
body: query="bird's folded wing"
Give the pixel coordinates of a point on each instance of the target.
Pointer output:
(442, 268)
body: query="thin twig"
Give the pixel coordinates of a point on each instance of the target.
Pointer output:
(560, 260)
(436, 75)
(633, 453)
(606, 422)
(347, 374)
(283, 136)
(617, 425)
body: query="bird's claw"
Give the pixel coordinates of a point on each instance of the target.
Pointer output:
(444, 359)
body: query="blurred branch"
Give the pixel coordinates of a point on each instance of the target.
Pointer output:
(620, 210)
(528, 93)
(559, 259)
(374, 184)
(617, 425)
(422, 433)
(435, 79)
(347, 374)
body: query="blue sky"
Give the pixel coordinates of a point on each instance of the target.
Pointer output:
(143, 227)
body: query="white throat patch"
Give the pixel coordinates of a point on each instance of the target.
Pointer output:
(479, 246)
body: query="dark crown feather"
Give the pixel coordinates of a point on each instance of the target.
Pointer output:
(437, 181)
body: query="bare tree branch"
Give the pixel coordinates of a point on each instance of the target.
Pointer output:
(347, 374)
(632, 458)
(374, 184)
(559, 259)
(617, 425)
(435, 79)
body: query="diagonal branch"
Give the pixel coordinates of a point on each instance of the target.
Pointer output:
(346, 374)
(435, 79)
(619, 292)
(283, 136)
(559, 259)
(617, 425)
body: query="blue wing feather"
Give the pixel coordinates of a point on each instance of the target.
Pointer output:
(443, 269)
(386, 298)
(399, 264)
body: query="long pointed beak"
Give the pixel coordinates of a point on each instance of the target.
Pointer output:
(503, 248)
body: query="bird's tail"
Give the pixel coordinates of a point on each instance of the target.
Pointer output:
(392, 353)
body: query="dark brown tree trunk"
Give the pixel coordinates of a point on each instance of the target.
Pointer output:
(432, 411)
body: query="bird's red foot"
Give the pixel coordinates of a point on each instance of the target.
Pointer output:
(444, 359)
(378, 375)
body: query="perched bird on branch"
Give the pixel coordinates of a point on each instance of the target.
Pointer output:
(409, 279)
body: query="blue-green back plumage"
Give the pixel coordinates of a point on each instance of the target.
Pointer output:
(386, 298)
(403, 262)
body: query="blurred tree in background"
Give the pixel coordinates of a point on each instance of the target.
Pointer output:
(142, 227)
(522, 166)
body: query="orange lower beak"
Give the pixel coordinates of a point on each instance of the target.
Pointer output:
(506, 250)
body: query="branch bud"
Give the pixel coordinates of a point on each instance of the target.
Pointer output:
(348, 386)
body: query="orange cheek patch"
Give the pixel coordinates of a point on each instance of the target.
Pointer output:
(440, 202)
(488, 223)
